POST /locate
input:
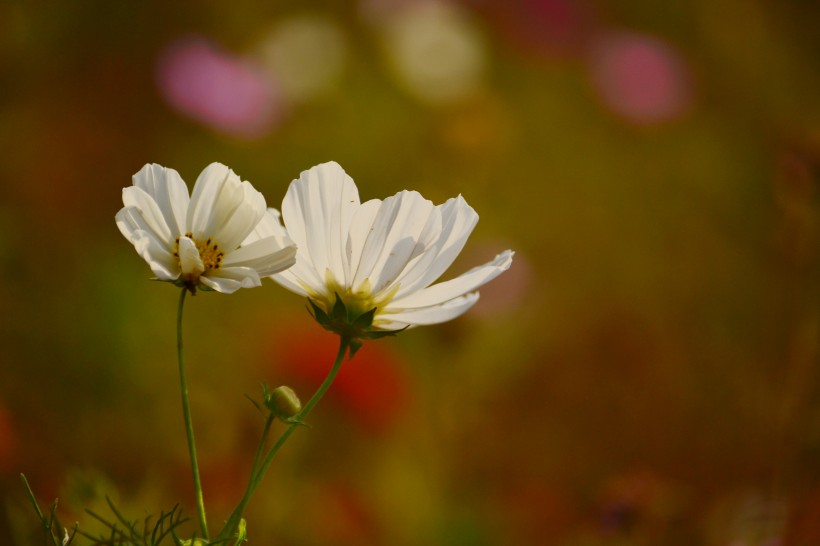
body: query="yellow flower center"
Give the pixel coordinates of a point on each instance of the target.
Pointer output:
(209, 252)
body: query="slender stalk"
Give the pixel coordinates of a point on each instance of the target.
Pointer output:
(32, 498)
(189, 427)
(262, 443)
(46, 523)
(258, 474)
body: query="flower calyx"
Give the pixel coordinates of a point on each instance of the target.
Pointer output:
(350, 323)
(189, 285)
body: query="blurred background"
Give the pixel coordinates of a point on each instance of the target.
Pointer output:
(646, 373)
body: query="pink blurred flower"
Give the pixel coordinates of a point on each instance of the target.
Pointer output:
(220, 90)
(640, 78)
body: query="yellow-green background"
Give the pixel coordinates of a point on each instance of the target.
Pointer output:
(647, 372)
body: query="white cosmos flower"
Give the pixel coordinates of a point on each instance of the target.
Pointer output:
(380, 255)
(210, 239)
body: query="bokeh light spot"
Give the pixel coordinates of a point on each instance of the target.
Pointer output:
(640, 78)
(306, 55)
(436, 52)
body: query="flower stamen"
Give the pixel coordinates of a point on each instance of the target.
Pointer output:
(208, 250)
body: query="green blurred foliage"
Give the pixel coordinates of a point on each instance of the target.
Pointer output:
(646, 373)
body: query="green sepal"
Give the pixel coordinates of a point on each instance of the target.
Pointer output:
(340, 310)
(365, 320)
(354, 346)
(345, 322)
(318, 313)
(265, 393)
(378, 334)
(296, 420)
(181, 283)
(255, 404)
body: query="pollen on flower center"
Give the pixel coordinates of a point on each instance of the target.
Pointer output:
(209, 252)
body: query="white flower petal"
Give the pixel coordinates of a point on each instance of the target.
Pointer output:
(223, 208)
(360, 227)
(154, 251)
(317, 209)
(209, 206)
(467, 282)
(129, 221)
(303, 274)
(458, 221)
(148, 209)
(288, 280)
(266, 256)
(230, 279)
(301, 271)
(161, 262)
(244, 218)
(269, 225)
(206, 189)
(190, 261)
(417, 231)
(167, 189)
(428, 315)
(404, 227)
(386, 252)
(222, 212)
(374, 243)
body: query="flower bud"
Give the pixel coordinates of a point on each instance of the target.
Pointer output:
(283, 403)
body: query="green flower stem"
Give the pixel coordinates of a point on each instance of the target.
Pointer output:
(262, 442)
(260, 450)
(189, 427)
(258, 473)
